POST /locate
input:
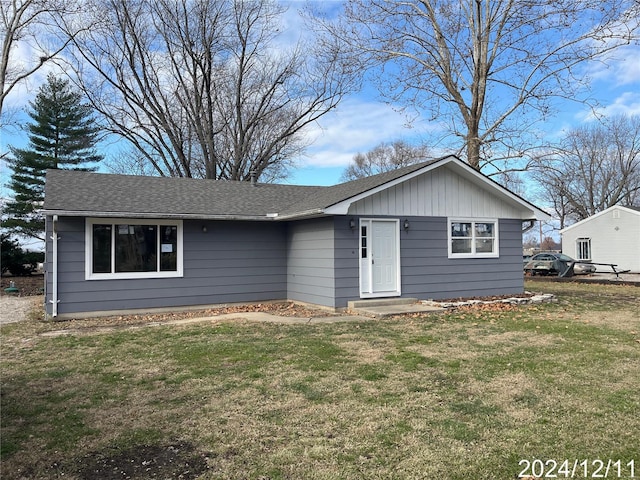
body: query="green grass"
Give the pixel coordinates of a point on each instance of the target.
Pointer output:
(457, 396)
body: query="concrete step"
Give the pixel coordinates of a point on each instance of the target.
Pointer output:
(383, 307)
(380, 302)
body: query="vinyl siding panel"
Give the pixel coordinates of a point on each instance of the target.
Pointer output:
(231, 262)
(428, 273)
(314, 261)
(347, 273)
(426, 270)
(310, 261)
(438, 193)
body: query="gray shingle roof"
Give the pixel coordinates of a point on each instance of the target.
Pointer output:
(101, 194)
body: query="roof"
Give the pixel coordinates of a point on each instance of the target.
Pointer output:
(632, 210)
(80, 193)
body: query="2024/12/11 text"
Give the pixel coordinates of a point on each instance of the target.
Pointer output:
(537, 468)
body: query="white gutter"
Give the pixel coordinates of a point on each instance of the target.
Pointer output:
(300, 215)
(54, 263)
(177, 216)
(186, 216)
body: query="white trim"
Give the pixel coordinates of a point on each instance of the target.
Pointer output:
(496, 237)
(369, 271)
(587, 241)
(599, 214)
(88, 251)
(54, 266)
(156, 216)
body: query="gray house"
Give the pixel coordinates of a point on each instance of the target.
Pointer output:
(437, 229)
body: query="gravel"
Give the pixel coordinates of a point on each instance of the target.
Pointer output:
(16, 309)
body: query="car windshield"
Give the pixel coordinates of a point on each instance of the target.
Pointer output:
(565, 258)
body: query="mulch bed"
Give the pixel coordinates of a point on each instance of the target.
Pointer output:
(283, 309)
(34, 284)
(29, 285)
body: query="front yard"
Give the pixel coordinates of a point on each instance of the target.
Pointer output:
(464, 395)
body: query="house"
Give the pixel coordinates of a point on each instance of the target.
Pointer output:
(611, 236)
(437, 229)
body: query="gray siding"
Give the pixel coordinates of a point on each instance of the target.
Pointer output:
(231, 262)
(314, 261)
(346, 262)
(439, 193)
(427, 272)
(310, 261)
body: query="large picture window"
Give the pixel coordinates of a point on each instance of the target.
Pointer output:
(473, 238)
(127, 248)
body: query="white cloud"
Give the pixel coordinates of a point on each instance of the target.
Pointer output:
(23, 57)
(622, 67)
(357, 125)
(627, 103)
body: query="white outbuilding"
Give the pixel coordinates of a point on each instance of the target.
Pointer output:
(611, 236)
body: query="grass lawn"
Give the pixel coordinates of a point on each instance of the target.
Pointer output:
(464, 395)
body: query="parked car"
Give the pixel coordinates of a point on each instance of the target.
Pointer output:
(583, 268)
(551, 263)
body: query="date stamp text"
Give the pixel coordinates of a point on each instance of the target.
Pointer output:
(582, 468)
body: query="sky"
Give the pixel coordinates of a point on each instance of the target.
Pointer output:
(363, 120)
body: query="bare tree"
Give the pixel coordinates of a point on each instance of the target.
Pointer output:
(385, 157)
(490, 69)
(203, 88)
(33, 25)
(596, 166)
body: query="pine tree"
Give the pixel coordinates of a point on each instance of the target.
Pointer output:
(63, 135)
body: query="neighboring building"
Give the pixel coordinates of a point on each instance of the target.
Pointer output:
(611, 236)
(437, 229)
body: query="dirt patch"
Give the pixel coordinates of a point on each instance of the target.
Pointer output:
(283, 309)
(28, 285)
(178, 460)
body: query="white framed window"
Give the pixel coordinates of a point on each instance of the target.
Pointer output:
(132, 248)
(583, 249)
(473, 238)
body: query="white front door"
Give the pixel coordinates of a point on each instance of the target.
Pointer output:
(379, 258)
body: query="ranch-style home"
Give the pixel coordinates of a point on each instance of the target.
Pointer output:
(437, 229)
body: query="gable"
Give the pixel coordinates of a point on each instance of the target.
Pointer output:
(439, 193)
(613, 215)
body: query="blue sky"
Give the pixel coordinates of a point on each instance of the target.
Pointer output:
(362, 120)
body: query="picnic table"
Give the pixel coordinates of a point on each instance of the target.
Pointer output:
(568, 272)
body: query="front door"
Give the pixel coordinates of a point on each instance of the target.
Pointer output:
(379, 258)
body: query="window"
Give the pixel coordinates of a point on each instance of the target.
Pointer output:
(126, 248)
(363, 241)
(473, 238)
(583, 249)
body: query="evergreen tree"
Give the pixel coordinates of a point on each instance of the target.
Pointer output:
(63, 135)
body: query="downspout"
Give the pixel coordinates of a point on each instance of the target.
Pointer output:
(54, 268)
(527, 227)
